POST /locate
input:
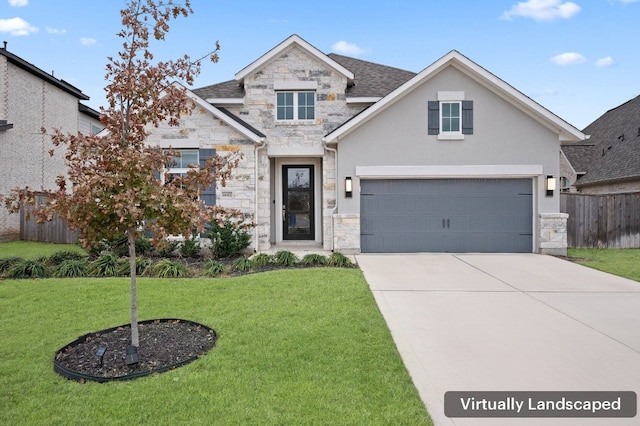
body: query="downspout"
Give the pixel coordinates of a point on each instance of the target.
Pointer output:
(335, 207)
(258, 147)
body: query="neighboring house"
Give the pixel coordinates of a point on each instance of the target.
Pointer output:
(358, 157)
(31, 99)
(610, 163)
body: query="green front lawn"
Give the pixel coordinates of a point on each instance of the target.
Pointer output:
(305, 346)
(32, 250)
(622, 262)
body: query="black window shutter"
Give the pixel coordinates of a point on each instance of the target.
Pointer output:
(209, 194)
(434, 117)
(467, 117)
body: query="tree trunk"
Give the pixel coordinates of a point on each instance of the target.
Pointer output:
(135, 341)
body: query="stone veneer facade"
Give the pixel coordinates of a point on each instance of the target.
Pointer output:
(552, 233)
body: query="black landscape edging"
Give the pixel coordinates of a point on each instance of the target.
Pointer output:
(77, 376)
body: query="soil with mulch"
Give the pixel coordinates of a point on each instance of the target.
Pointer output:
(164, 344)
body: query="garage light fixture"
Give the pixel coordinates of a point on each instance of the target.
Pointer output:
(348, 187)
(551, 185)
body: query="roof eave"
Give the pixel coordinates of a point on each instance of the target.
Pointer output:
(293, 40)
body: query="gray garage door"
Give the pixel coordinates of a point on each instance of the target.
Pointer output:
(446, 215)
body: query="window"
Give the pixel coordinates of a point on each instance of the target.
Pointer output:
(565, 184)
(179, 166)
(450, 117)
(295, 105)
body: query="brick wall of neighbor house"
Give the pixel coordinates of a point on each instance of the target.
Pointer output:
(30, 103)
(612, 188)
(552, 233)
(567, 171)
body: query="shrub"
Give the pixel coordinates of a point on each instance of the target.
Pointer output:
(167, 248)
(285, 258)
(57, 258)
(7, 262)
(190, 248)
(143, 246)
(339, 260)
(261, 260)
(166, 268)
(213, 268)
(124, 269)
(242, 264)
(228, 233)
(313, 259)
(107, 265)
(71, 268)
(28, 268)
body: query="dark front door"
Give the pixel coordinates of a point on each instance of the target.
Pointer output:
(297, 202)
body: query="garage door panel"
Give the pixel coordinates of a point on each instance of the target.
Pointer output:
(447, 215)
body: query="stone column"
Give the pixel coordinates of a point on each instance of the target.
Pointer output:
(552, 233)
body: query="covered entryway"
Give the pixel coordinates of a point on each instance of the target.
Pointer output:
(446, 215)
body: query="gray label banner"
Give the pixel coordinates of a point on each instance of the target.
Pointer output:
(540, 404)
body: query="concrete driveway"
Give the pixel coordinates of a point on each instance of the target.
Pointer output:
(508, 322)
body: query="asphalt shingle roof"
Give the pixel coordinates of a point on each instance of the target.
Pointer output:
(371, 80)
(579, 155)
(616, 154)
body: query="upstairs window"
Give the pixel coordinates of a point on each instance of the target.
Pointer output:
(450, 117)
(295, 105)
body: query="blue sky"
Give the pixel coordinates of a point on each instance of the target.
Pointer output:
(577, 58)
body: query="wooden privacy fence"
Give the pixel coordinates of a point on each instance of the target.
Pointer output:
(55, 231)
(602, 221)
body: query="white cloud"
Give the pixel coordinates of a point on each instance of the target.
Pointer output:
(605, 62)
(55, 31)
(569, 58)
(346, 48)
(86, 41)
(16, 27)
(18, 3)
(542, 10)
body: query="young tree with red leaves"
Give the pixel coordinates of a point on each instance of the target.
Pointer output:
(114, 188)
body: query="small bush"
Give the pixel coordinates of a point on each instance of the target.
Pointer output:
(190, 248)
(124, 269)
(71, 268)
(57, 258)
(28, 268)
(167, 248)
(107, 265)
(339, 260)
(143, 246)
(313, 259)
(166, 268)
(229, 237)
(285, 258)
(213, 268)
(242, 264)
(7, 262)
(261, 260)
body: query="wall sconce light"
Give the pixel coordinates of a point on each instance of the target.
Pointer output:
(348, 187)
(551, 185)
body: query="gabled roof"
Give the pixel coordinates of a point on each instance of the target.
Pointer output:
(565, 131)
(32, 69)
(287, 44)
(579, 155)
(616, 139)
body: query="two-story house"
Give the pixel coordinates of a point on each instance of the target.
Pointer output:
(32, 99)
(353, 156)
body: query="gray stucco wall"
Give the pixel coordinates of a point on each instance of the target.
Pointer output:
(502, 135)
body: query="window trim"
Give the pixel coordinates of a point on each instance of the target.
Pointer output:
(449, 134)
(295, 106)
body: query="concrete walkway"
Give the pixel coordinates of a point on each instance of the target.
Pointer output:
(508, 322)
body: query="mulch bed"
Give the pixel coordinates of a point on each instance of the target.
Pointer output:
(164, 344)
